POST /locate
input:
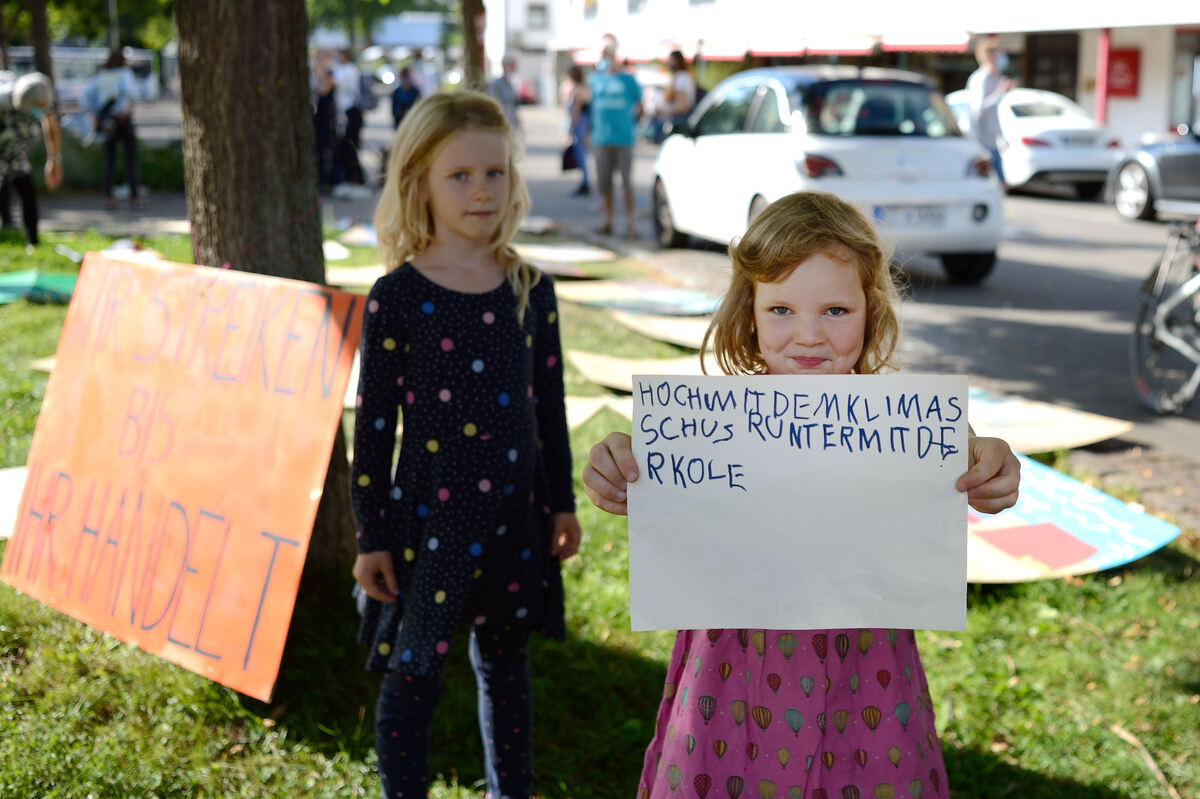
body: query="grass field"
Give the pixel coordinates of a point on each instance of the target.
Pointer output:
(1084, 688)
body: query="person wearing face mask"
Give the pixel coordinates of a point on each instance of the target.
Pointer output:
(985, 88)
(26, 114)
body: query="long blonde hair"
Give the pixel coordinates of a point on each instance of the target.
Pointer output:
(403, 223)
(789, 231)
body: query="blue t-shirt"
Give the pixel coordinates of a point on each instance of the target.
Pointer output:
(615, 97)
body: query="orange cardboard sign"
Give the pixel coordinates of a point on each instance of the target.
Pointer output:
(179, 457)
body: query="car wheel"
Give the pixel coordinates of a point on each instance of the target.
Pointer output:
(1090, 190)
(757, 206)
(664, 225)
(968, 268)
(1132, 194)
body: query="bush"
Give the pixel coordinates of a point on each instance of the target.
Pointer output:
(159, 168)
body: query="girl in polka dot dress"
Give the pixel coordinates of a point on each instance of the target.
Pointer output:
(461, 340)
(801, 714)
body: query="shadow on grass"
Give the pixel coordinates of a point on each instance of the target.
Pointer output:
(594, 706)
(981, 775)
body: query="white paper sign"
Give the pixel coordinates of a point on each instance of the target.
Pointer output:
(798, 502)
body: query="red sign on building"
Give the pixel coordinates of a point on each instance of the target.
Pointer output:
(1123, 68)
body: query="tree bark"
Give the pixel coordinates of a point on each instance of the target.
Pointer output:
(250, 172)
(472, 10)
(40, 35)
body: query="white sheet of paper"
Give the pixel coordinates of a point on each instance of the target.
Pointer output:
(798, 502)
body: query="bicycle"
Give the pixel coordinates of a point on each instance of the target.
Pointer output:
(1165, 351)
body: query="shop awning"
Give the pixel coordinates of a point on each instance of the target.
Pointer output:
(925, 41)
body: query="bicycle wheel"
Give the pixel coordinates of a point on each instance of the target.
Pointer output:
(1165, 351)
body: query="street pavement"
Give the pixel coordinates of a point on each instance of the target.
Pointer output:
(1163, 476)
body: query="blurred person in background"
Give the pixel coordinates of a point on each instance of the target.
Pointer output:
(404, 96)
(985, 89)
(616, 109)
(108, 98)
(27, 114)
(503, 91)
(325, 121)
(680, 95)
(579, 119)
(347, 100)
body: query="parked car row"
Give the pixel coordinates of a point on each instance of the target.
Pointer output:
(888, 141)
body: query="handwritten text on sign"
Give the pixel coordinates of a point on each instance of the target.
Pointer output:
(179, 457)
(798, 502)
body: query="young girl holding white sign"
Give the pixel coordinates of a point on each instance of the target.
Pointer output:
(800, 713)
(462, 336)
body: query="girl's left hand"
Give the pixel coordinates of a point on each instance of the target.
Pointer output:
(993, 477)
(564, 540)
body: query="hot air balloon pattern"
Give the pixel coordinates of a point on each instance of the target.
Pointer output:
(893, 754)
(902, 714)
(794, 719)
(916, 788)
(869, 735)
(841, 645)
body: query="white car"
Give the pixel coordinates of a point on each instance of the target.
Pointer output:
(880, 138)
(1047, 138)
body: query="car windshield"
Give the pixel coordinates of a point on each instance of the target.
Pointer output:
(876, 108)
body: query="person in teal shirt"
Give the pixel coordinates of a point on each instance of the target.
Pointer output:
(616, 109)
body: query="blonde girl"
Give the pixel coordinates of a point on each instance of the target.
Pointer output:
(800, 713)
(461, 338)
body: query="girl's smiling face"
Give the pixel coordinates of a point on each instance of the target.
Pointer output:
(467, 186)
(812, 321)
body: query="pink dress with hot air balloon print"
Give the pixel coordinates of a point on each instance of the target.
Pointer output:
(795, 714)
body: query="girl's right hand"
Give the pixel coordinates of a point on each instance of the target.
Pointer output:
(610, 468)
(376, 573)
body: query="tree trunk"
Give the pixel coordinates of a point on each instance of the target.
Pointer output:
(250, 170)
(40, 35)
(472, 13)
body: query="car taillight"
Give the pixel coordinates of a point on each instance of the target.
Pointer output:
(1029, 141)
(980, 167)
(1113, 144)
(818, 166)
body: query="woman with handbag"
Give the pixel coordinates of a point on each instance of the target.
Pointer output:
(579, 119)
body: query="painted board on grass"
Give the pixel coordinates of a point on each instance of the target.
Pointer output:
(179, 457)
(798, 502)
(641, 296)
(1030, 426)
(1058, 527)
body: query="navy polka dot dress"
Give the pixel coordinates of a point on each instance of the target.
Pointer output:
(484, 462)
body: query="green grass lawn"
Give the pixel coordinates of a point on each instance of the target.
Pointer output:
(1075, 688)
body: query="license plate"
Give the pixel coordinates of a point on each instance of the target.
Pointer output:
(909, 216)
(1080, 141)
